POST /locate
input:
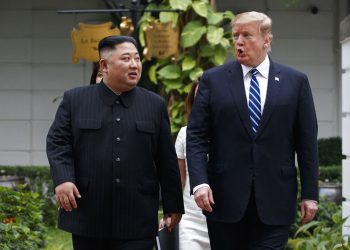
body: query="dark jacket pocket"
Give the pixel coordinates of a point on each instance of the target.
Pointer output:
(149, 187)
(287, 172)
(89, 124)
(82, 184)
(145, 126)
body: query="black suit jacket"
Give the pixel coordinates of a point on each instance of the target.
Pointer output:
(219, 127)
(117, 150)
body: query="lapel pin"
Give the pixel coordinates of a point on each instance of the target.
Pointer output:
(277, 79)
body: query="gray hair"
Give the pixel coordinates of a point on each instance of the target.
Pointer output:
(265, 22)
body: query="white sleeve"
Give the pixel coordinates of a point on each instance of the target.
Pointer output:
(199, 186)
(180, 143)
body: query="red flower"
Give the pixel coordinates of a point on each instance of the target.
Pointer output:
(6, 220)
(12, 219)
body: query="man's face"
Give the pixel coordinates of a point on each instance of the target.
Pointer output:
(250, 45)
(122, 68)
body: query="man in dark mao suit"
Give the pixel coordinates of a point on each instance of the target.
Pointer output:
(248, 120)
(110, 148)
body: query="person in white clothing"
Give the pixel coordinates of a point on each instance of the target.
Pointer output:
(193, 232)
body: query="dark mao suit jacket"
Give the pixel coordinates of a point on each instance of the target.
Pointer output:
(223, 152)
(117, 150)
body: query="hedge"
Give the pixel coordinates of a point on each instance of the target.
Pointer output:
(330, 152)
(21, 219)
(39, 181)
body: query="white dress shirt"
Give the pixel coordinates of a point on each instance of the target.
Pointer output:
(262, 77)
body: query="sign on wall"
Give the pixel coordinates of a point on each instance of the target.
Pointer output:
(85, 40)
(162, 40)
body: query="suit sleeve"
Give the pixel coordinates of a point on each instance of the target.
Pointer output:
(59, 145)
(167, 167)
(197, 141)
(306, 143)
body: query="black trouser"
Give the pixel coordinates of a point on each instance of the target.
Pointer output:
(248, 234)
(87, 243)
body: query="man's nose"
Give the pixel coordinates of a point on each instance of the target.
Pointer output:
(239, 39)
(133, 63)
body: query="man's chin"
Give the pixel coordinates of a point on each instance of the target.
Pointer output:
(240, 59)
(244, 61)
(132, 84)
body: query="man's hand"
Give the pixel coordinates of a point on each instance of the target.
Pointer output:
(171, 220)
(308, 209)
(204, 198)
(65, 195)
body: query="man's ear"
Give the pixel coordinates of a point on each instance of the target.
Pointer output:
(268, 41)
(103, 65)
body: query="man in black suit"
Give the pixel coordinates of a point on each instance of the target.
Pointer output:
(110, 148)
(248, 120)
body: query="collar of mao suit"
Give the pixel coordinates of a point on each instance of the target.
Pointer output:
(109, 97)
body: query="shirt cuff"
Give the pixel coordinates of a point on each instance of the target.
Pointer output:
(310, 200)
(199, 186)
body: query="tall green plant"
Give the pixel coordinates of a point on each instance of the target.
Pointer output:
(323, 233)
(204, 43)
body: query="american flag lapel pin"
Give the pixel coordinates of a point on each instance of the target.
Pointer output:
(277, 78)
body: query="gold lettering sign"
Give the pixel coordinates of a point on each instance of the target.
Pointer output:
(85, 40)
(162, 40)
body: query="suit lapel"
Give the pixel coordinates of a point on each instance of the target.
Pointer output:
(236, 87)
(273, 88)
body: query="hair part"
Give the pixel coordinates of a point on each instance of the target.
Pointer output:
(265, 22)
(108, 44)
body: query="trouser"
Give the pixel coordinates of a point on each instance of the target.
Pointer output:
(88, 243)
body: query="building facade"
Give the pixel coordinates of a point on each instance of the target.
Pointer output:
(36, 65)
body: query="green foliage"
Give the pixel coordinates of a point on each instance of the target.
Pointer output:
(317, 236)
(331, 174)
(330, 152)
(58, 239)
(21, 219)
(323, 233)
(39, 181)
(327, 210)
(192, 33)
(204, 43)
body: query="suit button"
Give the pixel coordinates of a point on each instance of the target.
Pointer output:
(117, 159)
(117, 139)
(117, 102)
(117, 119)
(117, 180)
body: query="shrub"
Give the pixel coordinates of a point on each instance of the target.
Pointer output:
(330, 152)
(21, 220)
(331, 174)
(326, 209)
(317, 235)
(323, 233)
(39, 181)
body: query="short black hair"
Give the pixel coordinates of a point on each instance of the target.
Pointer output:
(109, 42)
